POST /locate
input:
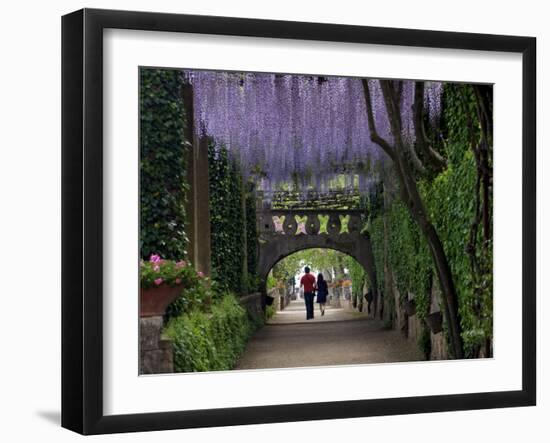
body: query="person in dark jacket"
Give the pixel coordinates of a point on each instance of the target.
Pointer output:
(322, 292)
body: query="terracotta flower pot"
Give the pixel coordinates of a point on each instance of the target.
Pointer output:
(154, 301)
(435, 322)
(410, 307)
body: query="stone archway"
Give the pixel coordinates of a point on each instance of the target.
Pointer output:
(279, 240)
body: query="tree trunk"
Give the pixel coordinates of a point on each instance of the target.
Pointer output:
(412, 199)
(439, 258)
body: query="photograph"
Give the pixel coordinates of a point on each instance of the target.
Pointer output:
(305, 220)
(275, 222)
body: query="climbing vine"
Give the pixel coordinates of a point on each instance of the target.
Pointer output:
(358, 278)
(453, 201)
(454, 206)
(162, 164)
(227, 220)
(251, 239)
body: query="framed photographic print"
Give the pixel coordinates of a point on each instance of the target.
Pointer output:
(269, 221)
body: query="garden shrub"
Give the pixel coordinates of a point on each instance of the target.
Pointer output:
(269, 311)
(212, 339)
(195, 296)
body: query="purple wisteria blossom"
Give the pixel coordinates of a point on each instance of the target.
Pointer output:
(310, 127)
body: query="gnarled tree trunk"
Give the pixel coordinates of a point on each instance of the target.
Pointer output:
(413, 201)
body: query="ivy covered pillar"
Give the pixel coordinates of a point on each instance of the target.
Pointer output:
(198, 201)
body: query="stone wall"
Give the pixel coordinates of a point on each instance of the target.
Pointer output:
(410, 325)
(281, 297)
(439, 344)
(253, 304)
(156, 353)
(415, 326)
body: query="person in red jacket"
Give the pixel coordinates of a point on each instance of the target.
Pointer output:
(308, 282)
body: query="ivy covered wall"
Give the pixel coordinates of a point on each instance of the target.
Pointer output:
(162, 164)
(251, 239)
(450, 200)
(232, 220)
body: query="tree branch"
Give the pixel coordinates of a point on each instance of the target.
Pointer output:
(422, 141)
(392, 100)
(375, 137)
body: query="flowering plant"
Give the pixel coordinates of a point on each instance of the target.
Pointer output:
(158, 271)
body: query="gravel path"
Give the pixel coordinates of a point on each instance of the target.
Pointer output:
(340, 337)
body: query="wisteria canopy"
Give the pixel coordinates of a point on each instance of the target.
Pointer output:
(310, 127)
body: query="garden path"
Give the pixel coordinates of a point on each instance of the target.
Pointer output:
(338, 338)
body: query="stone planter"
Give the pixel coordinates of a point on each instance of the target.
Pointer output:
(154, 301)
(435, 322)
(410, 307)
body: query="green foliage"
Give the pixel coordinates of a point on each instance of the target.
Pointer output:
(271, 281)
(253, 283)
(358, 277)
(376, 230)
(451, 206)
(269, 311)
(449, 198)
(158, 271)
(197, 296)
(163, 155)
(409, 257)
(227, 221)
(211, 340)
(318, 259)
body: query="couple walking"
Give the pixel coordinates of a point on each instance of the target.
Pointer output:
(310, 286)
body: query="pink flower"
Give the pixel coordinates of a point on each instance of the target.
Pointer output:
(156, 268)
(200, 274)
(155, 258)
(178, 281)
(158, 281)
(181, 264)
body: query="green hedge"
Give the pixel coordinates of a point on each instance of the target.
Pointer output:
(211, 340)
(162, 164)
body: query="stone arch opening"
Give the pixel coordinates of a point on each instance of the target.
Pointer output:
(336, 269)
(313, 247)
(275, 245)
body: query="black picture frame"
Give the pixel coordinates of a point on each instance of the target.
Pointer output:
(82, 218)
